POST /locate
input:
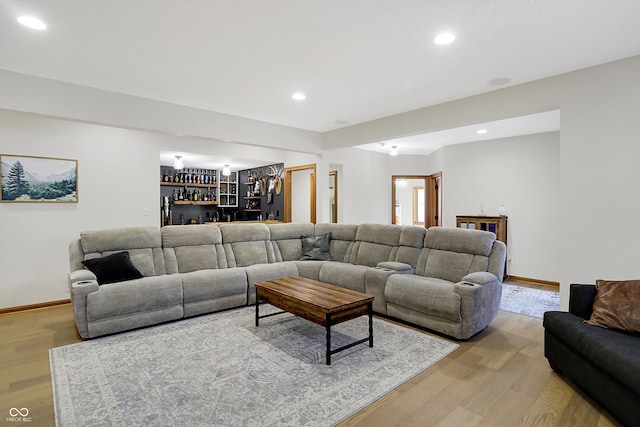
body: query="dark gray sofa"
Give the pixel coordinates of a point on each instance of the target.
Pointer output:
(604, 363)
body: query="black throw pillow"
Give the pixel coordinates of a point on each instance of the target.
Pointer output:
(316, 247)
(113, 268)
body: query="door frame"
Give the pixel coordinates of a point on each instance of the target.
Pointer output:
(433, 198)
(312, 191)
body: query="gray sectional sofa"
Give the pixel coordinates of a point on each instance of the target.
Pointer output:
(444, 279)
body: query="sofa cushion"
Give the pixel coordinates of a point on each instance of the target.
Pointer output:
(316, 247)
(343, 237)
(119, 239)
(263, 272)
(113, 268)
(475, 242)
(247, 244)
(450, 266)
(424, 294)
(192, 247)
(144, 245)
(617, 305)
(206, 291)
(343, 274)
(375, 243)
(135, 296)
(286, 239)
(411, 241)
(614, 352)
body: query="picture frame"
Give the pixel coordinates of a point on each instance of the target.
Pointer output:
(32, 179)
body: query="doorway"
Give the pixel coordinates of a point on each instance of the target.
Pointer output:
(416, 200)
(300, 194)
(333, 197)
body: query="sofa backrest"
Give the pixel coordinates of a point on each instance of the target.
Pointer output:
(343, 237)
(452, 253)
(286, 239)
(411, 242)
(247, 244)
(144, 245)
(192, 247)
(374, 243)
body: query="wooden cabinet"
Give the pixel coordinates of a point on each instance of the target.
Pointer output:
(495, 224)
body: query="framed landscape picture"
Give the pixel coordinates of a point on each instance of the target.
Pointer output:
(38, 179)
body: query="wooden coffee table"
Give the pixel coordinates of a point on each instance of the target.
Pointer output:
(318, 302)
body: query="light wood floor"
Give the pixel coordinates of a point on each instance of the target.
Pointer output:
(497, 378)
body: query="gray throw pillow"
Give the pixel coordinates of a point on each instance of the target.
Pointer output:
(316, 247)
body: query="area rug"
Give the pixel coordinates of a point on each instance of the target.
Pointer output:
(222, 370)
(528, 301)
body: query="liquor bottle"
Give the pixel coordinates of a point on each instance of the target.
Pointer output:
(181, 195)
(175, 195)
(206, 176)
(176, 177)
(165, 177)
(201, 176)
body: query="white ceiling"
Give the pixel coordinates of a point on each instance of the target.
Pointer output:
(429, 142)
(356, 60)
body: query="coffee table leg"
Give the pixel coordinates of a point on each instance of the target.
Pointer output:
(370, 308)
(257, 309)
(328, 328)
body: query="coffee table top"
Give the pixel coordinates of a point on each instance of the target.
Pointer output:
(325, 297)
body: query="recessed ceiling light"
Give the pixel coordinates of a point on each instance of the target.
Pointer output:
(481, 131)
(299, 96)
(31, 22)
(444, 38)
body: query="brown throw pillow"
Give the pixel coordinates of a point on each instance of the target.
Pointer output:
(617, 305)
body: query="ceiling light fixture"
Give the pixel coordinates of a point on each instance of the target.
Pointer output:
(394, 150)
(299, 96)
(178, 164)
(226, 171)
(481, 131)
(444, 38)
(32, 22)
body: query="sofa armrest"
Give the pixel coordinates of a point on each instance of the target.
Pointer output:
(480, 295)
(479, 278)
(79, 291)
(398, 267)
(581, 299)
(80, 276)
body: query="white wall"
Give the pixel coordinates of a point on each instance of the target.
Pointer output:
(523, 173)
(365, 187)
(599, 176)
(118, 177)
